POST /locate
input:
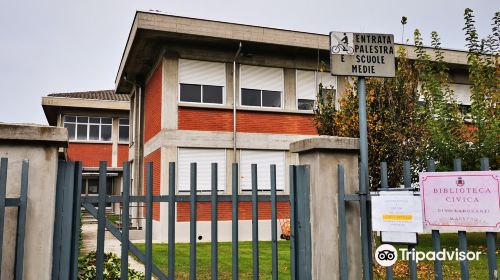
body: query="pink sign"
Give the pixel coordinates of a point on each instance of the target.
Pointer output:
(467, 201)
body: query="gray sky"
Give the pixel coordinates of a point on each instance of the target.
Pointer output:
(62, 46)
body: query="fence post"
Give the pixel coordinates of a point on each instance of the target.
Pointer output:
(436, 237)
(490, 236)
(255, 224)
(462, 235)
(149, 221)
(323, 155)
(21, 221)
(125, 221)
(171, 220)
(234, 240)
(101, 220)
(75, 234)
(192, 224)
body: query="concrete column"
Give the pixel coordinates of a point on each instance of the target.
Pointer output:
(290, 97)
(323, 154)
(39, 145)
(114, 138)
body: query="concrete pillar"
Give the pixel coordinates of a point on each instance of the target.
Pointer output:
(323, 154)
(39, 145)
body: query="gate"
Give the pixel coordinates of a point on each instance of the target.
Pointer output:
(436, 240)
(69, 203)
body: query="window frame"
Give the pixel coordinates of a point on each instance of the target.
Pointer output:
(201, 95)
(282, 91)
(201, 86)
(128, 134)
(88, 124)
(316, 82)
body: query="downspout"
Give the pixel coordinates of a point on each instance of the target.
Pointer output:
(234, 102)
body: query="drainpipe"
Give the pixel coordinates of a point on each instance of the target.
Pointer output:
(234, 102)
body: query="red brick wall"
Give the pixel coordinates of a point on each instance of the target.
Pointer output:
(90, 153)
(155, 158)
(122, 154)
(152, 105)
(246, 121)
(224, 211)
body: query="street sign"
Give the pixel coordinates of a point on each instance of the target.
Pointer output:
(362, 54)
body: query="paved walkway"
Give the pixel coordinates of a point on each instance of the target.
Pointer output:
(111, 244)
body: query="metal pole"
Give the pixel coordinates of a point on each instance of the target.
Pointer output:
(363, 179)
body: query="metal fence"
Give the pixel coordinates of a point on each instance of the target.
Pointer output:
(73, 170)
(436, 240)
(20, 203)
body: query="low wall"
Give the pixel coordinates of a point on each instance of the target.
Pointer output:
(39, 145)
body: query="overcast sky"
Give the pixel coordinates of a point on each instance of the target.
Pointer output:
(62, 46)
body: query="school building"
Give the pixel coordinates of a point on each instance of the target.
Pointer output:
(206, 91)
(98, 130)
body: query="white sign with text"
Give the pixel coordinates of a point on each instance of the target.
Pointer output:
(398, 211)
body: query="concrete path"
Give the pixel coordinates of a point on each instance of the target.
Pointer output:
(111, 244)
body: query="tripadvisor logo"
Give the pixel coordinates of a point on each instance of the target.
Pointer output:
(386, 255)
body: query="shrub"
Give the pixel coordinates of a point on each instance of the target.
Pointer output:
(87, 267)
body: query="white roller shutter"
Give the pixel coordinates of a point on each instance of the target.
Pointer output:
(263, 159)
(202, 72)
(263, 78)
(327, 80)
(306, 85)
(204, 159)
(462, 93)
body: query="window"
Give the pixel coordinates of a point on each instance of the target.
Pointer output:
(263, 159)
(201, 81)
(123, 130)
(261, 86)
(90, 187)
(307, 87)
(204, 159)
(88, 128)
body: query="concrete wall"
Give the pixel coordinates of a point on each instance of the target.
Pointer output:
(42, 153)
(323, 155)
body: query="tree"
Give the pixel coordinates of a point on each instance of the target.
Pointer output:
(415, 116)
(484, 75)
(395, 129)
(441, 113)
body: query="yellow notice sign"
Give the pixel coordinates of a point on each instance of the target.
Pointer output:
(397, 217)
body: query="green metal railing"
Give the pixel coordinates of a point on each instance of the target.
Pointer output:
(436, 240)
(296, 181)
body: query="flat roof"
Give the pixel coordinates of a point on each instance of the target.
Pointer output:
(150, 28)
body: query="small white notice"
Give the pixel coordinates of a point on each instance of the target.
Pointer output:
(397, 211)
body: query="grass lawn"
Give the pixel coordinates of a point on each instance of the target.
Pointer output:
(203, 253)
(451, 269)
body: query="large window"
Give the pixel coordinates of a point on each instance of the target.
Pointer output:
(261, 86)
(204, 159)
(263, 159)
(308, 86)
(88, 128)
(201, 81)
(123, 130)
